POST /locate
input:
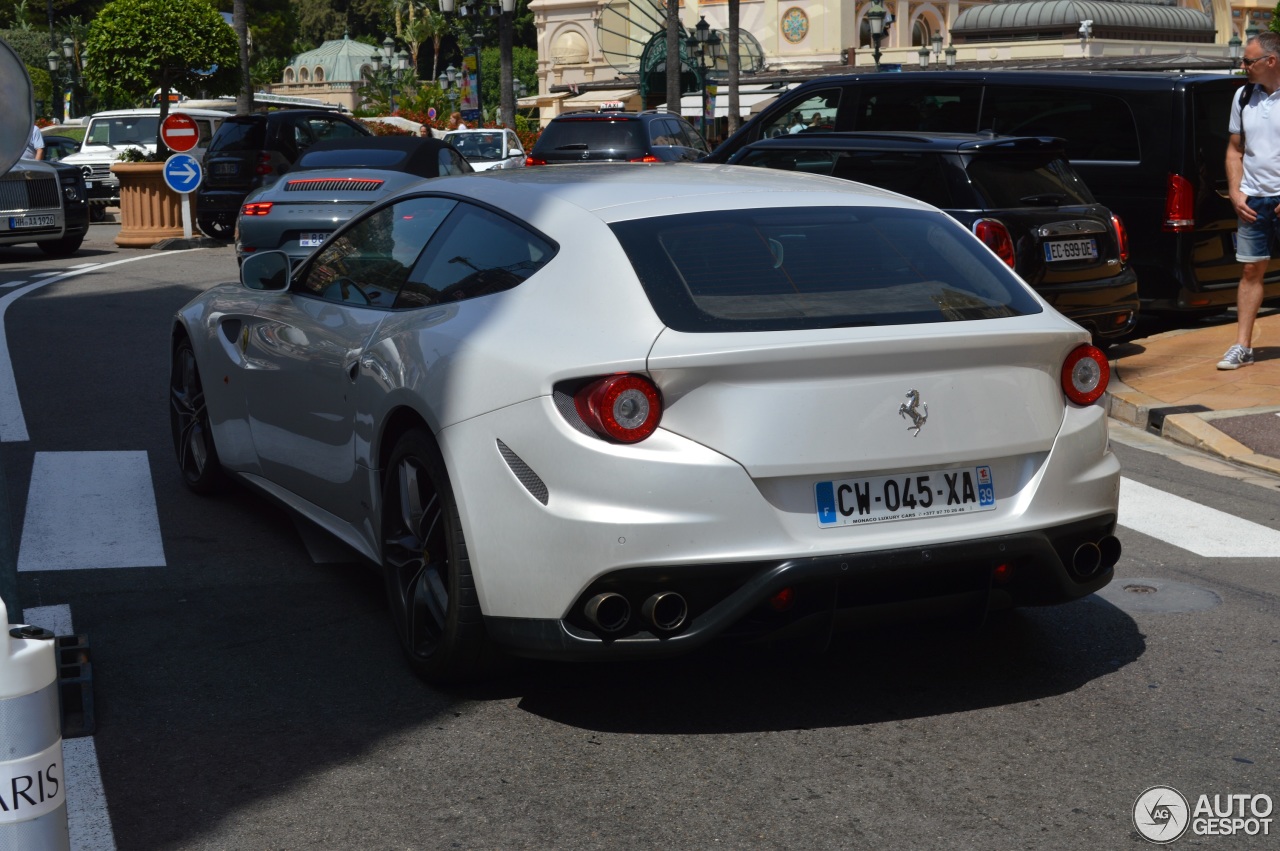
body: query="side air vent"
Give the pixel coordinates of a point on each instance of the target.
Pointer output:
(527, 477)
(569, 410)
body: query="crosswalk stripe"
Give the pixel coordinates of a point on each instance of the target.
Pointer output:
(1191, 526)
(90, 510)
(88, 821)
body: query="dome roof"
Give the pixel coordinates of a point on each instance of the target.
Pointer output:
(1034, 15)
(340, 58)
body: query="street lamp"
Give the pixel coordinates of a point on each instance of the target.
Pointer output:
(450, 87)
(63, 69)
(875, 19)
(950, 53)
(923, 53)
(1252, 30)
(937, 46)
(704, 40)
(506, 39)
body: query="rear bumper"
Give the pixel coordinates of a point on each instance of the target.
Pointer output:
(733, 601)
(1107, 309)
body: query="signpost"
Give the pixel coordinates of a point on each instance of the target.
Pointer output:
(182, 174)
(179, 132)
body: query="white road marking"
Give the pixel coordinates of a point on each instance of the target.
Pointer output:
(90, 510)
(49, 274)
(1194, 527)
(88, 821)
(13, 426)
(8, 284)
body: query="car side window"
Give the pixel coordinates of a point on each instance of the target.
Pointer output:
(476, 252)
(368, 263)
(1096, 126)
(914, 174)
(690, 138)
(664, 132)
(331, 128)
(797, 117)
(951, 108)
(451, 162)
(513, 145)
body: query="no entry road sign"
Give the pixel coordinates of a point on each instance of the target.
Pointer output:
(179, 132)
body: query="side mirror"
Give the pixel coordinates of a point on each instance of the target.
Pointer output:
(269, 271)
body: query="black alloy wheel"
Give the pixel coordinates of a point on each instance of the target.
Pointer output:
(189, 422)
(215, 227)
(428, 576)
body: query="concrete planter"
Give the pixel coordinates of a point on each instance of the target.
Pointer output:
(150, 211)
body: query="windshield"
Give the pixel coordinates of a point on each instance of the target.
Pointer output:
(792, 268)
(129, 130)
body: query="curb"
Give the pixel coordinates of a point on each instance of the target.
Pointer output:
(1190, 429)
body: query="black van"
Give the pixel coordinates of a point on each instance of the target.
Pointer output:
(1151, 147)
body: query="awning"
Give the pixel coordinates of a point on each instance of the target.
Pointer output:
(749, 102)
(628, 99)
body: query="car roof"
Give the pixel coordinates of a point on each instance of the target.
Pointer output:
(621, 191)
(1124, 80)
(915, 140)
(155, 110)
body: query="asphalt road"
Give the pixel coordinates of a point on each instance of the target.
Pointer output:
(250, 693)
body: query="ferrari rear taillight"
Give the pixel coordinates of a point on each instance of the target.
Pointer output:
(996, 236)
(1179, 204)
(625, 408)
(264, 163)
(528, 161)
(257, 208)
(1122, 238)
(1085, 374)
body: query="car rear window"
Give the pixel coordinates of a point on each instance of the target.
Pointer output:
(592, 134)
(826, 267)
(1006, 180)
(236, 135)
(352, 158)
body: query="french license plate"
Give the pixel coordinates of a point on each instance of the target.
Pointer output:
(225, 168)
(17, 222)
(312, 240)
(906, 496)
(1071, 249)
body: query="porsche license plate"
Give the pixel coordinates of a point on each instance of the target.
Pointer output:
(1071, 249)
(312, 240)
(906, 496)
(19, 222)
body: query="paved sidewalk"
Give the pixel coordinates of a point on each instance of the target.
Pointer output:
(1170, 383)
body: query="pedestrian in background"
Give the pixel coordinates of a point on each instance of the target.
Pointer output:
(1253, 181)
(35, 145)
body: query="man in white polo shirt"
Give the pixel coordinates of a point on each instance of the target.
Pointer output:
(1253, 179)
(35, 145)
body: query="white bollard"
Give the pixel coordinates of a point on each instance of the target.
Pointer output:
(33, 786)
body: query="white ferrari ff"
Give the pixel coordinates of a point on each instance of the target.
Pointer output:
(620, 411)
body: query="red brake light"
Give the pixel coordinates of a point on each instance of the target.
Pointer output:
(528, 161)
(997, 238)
(647, 158)
(257, 208)
(264, 163)
(1085, 374)
(625, 408)
(1122, 237)
(1179, 204)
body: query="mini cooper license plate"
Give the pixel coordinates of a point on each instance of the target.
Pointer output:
(312, 240)
(907, 496)
(1071, 249)
(19, 222)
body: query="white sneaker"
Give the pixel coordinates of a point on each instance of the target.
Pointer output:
(1236, 357)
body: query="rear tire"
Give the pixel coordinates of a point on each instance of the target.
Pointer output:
(215, 228)
(64, 247)
(430, 589)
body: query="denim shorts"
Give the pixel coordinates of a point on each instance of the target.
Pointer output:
(1253, 239)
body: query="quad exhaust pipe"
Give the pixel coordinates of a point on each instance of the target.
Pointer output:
(665, 611)
(1090, 558)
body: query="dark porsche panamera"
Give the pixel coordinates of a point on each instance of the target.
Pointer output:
(1019, 195)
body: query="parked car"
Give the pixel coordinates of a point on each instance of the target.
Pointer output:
(43, 203)
(488, 148)
(792, 402)
(1152, 147)
(647, 137)
(1018, 194)
(250, 151)
(57, 147)
(109, 133)
(330, 183)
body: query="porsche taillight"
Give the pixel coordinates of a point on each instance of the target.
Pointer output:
(626, 408)
(997, 238)
(1085, 374)
(1179, 204)
(256, 208)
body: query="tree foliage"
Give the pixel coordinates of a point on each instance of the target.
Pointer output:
(137, 46)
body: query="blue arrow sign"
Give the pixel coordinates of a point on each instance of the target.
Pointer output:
(182, 173)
